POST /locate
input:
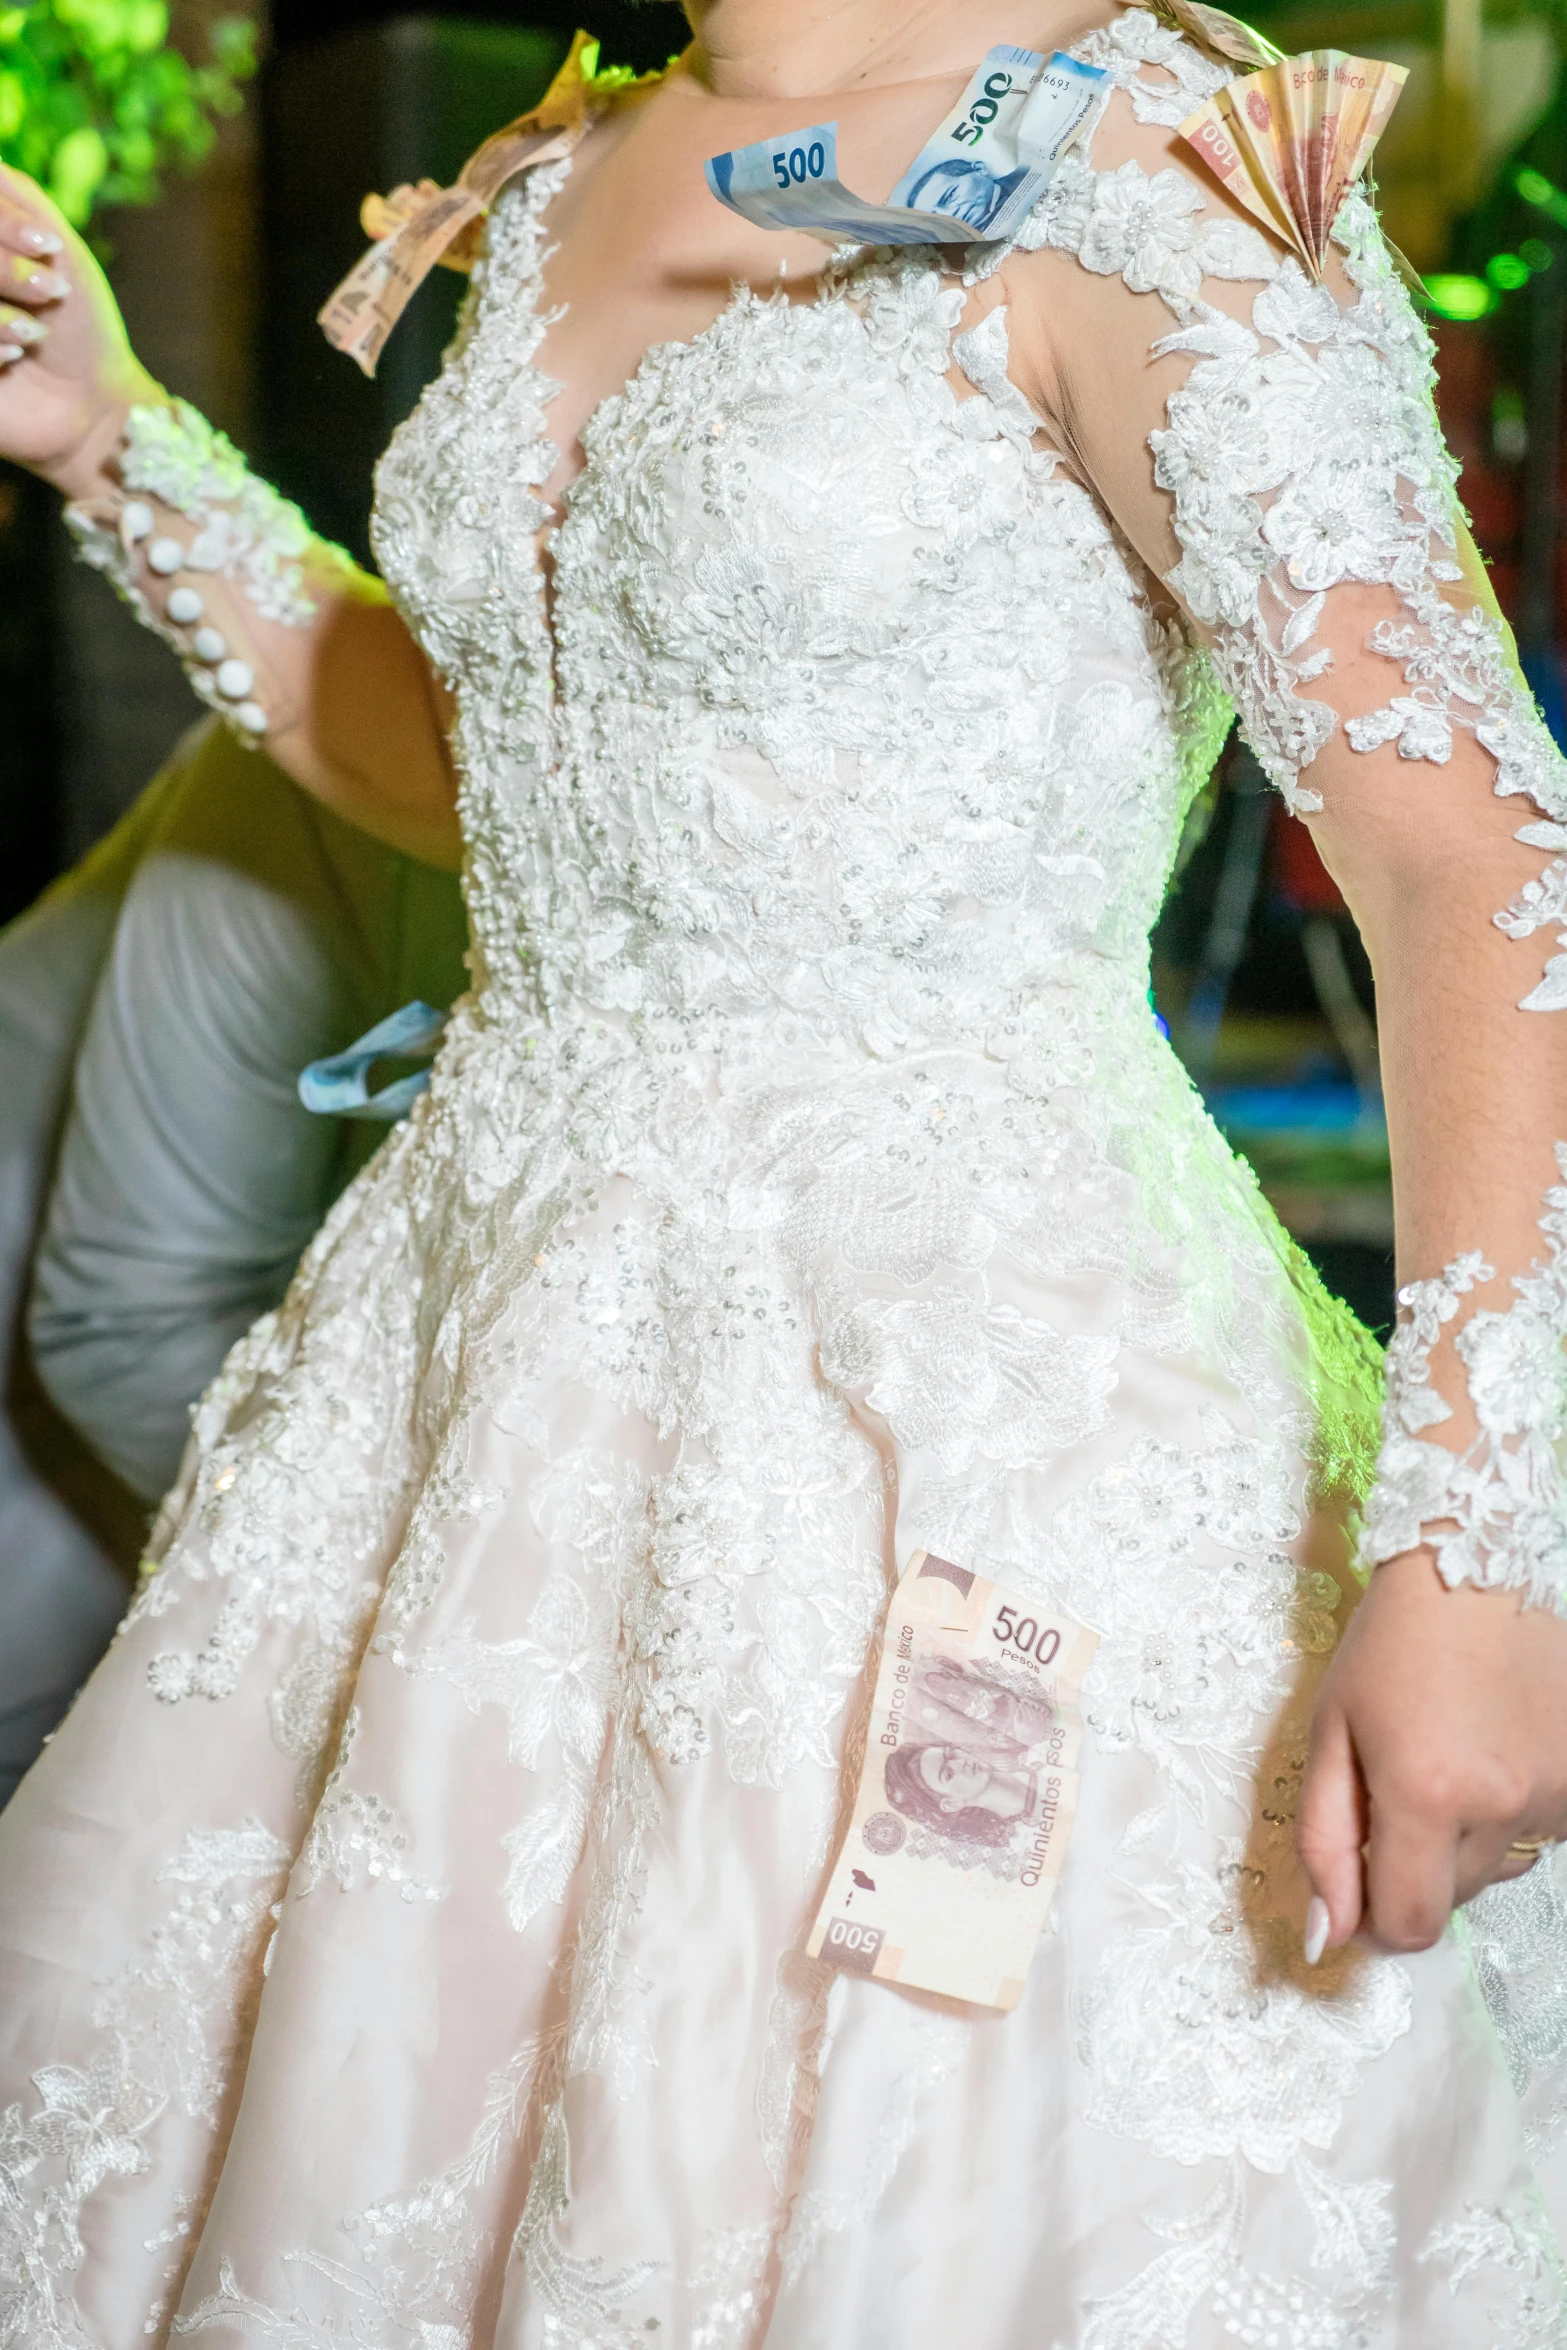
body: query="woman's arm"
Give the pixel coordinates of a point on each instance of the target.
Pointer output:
(279, 631)
(1269, 448)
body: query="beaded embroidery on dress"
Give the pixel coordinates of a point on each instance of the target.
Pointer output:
(399, 1945)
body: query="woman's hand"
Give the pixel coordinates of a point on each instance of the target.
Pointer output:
(1440, 1735)
(67, 373)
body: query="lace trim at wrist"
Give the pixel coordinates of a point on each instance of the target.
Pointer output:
(245, 533)
(1495, 1514)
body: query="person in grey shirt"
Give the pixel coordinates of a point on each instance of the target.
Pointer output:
(156, 1008)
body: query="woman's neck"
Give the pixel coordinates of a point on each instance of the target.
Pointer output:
(785, 49)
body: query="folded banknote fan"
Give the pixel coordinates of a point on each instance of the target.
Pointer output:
(1290, 141)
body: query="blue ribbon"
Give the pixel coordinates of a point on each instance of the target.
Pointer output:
(338, 1087)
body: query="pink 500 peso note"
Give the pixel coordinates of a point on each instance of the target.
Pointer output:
(966, 1793)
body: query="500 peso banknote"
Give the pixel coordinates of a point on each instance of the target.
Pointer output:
(967, 1791)
(977, 177)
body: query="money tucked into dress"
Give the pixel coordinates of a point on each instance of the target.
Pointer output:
(976, 179)
(967, 1791)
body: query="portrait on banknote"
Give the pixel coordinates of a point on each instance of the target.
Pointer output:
(959, 188)
(959, 1794)
(972, 1762)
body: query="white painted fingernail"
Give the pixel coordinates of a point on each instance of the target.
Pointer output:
(8, 352)
(45, 285)
(36, 240)
(1315, 1939)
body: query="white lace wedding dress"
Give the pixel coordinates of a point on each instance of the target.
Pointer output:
(400, 1942)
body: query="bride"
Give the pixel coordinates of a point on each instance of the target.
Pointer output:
(811, 660)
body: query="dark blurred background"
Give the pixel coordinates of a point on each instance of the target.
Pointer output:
(1258, 972)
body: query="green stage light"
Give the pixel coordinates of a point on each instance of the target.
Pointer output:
(1507, 272)
(1542, 193)
(1461, 297)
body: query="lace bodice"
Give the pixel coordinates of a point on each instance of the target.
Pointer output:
(852, 708)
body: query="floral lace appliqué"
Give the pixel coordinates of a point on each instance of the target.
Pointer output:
(169, 2026)
(244, 529)
(1496, 1513)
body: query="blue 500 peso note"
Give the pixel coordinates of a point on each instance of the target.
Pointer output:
(977, 177)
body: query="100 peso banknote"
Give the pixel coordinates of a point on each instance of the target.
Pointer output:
(966, 1793)
(977, 177)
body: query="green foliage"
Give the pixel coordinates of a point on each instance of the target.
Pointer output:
(94, 103)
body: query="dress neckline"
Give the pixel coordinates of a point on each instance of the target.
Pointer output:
(833, 285)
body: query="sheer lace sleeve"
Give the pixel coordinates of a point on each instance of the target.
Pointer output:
(278, 631)
(212, 560)
(1269, 448)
